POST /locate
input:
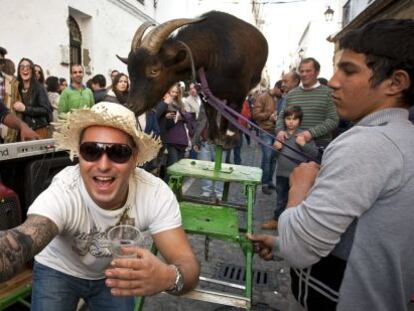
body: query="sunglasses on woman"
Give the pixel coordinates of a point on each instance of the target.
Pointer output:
(93, 151)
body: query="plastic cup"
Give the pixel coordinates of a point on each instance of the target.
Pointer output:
(121, 237)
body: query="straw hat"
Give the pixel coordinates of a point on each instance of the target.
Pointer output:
(67, 133)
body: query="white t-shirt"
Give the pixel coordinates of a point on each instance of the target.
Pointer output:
(81, 249)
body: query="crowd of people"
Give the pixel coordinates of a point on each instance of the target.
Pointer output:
(338, 154)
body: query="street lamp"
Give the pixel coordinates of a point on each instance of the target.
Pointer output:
(329, 14)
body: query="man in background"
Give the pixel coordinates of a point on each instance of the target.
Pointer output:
(264, 113)
(320, 117)
(98, 88)
(76, 95)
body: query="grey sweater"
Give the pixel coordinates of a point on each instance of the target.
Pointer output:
(285, 165)
(361, 209)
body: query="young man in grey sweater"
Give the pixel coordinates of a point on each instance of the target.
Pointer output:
(348, 234)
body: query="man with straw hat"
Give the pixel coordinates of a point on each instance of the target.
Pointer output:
(67, 225)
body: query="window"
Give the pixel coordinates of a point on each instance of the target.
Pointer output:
(75, 41)
(346, 12)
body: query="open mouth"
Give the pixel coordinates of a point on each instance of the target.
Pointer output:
(103, 182)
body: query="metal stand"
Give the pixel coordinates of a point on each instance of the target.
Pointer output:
(218, 220)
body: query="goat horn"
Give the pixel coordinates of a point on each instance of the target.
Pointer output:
(122, 59)
(154, 39)
(136, 41)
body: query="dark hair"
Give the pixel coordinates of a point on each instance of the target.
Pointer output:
(112, 73)
(315, 63)
(388, 46)
(61, 80)
(89, 83)
(42, 76)
(33, 81)
(52, 84)
(295, 111)
(100, 80)
(3, 51)
(323, 81)
(121, 96)
(9, 67)
(278, 84)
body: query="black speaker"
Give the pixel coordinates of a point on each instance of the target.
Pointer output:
(10, 211)
(39, 175)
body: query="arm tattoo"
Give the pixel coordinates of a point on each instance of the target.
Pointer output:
(20, 244)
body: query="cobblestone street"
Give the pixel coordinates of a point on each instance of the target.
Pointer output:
(268, 294)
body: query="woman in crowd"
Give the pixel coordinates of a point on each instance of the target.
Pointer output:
(119, 94)
(120, 89)
(63, 84)
(52, 87)
(35, 107)
(173, 120)
(39, 75)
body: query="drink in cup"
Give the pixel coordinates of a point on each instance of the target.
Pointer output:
(122, 237)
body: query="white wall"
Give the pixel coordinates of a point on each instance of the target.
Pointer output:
(314, 40)
(318, 47)
(37, 29)
(26, 31)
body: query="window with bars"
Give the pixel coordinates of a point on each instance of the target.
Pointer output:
(75, 36)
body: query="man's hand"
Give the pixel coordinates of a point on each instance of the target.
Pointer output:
(196, 148)
(145, 275)
(278, 145)
(306, 135)
(301, 181)
(300, 140)
(263, 245)
(26, 133)
(281, 136)
(168, 99)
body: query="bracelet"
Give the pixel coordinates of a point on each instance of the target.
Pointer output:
(179, 281)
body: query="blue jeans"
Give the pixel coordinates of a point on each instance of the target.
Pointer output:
(282, 194)
(54, 290)
(236, 152)
(208, 153)
(268, 160)
(174, 154)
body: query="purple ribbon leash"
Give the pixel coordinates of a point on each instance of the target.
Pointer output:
(233, 116)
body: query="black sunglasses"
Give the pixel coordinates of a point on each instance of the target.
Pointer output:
(93, 151)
